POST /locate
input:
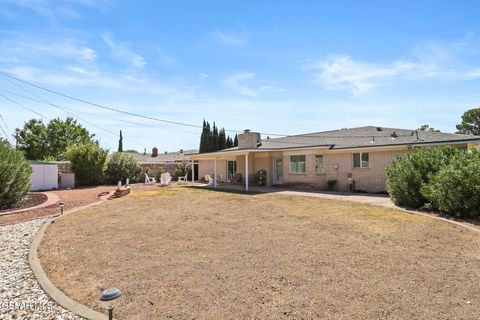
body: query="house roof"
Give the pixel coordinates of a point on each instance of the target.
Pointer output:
(362, 137)
(163, 157)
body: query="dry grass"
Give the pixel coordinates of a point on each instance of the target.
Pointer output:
(195, 254)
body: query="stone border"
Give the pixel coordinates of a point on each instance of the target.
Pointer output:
(52, 198)
(50, 289)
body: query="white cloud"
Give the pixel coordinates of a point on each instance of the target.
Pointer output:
(237, 83)
(22, 50)
(122, 51)
(230, 38)
(430, 61)
(342, 72)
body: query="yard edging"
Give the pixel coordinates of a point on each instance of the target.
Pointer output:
(52, 198)
(50, 289)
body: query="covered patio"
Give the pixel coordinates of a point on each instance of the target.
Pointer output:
(240, 168)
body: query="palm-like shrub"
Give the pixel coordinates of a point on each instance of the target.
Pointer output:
(15, 173)
(121, 166)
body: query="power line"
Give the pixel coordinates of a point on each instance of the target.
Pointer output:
(70, 113)
(5, 75)
(23, 106)
(3, 120)
(6, 134)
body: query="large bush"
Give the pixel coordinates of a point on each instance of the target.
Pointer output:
(409, 173)
(15, 173)
(455, 189)
(87, 162)
(121, 166)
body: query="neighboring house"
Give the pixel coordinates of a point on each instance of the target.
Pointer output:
(154, 162)
(356, 158)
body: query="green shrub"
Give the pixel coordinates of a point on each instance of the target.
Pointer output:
(87, 162)
(409, 173)
(455, 189)
(15, 173)
(182, 169)
(121, 166)
(332, 185)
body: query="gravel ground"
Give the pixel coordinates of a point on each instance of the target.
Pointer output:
(21, 297)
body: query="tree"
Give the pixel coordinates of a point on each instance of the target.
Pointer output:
(214, 138)
(87, 162)
(15, 176)
(470, 122)
(229, 143)
(5, 142)
(32, 139)
(121, 166)
(222, 140)
(120, 142)
(235, 141)
(426, 127)
(40, 141)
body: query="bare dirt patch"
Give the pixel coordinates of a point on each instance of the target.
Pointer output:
(183, 253)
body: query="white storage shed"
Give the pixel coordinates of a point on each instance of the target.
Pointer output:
(44, 176)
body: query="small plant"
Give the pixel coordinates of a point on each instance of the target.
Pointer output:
(121, 166)
(332, 185)
(183, 168)
(15, 176)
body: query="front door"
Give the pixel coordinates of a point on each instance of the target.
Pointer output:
(231, 171)
(277, 171)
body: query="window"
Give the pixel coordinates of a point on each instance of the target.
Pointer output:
(361, 160)
(319, 167)
(297, 164)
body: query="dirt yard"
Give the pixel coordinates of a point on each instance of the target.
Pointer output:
(72, 198)
(181, 253)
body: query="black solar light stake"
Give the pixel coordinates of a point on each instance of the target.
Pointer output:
(109, 300)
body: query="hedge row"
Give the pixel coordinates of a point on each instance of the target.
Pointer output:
(15, 173)
(443, 179)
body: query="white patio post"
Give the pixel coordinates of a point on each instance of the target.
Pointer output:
(246, 171)
(193, 172)
(215, 173)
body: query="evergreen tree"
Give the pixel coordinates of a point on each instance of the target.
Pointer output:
(222, 140)
(235, 141)
(120, 142)
(229, 142)
(203, 137)
(209, 138)
(215, 138)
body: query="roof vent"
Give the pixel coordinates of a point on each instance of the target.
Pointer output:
(246, 130)
(394, 135)
(379, 129)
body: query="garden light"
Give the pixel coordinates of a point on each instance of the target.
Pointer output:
(109, 300)
(62, 205)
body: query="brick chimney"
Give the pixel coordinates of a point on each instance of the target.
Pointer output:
(248, 140)
(154, 152)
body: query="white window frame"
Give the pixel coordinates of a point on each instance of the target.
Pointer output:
(362, 166)
(318, 156)
(297, 164)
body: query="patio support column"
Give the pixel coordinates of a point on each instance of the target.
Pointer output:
(215, 173)
(193, 172)
(246, 171)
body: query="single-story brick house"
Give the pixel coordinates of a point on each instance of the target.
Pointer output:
(355, 158)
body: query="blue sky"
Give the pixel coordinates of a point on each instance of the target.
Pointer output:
(271, 66)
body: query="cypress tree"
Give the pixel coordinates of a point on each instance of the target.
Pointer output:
(222, 140)
(203, 137)
(215, 138)
(235, 141)
(120, 142)
(209, 138)
(229, 142)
